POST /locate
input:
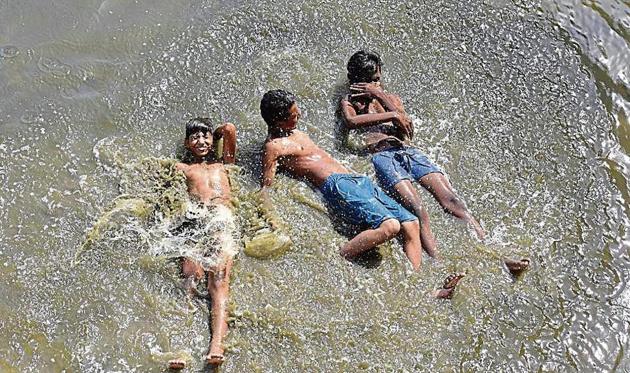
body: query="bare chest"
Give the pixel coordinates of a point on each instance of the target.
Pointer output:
(371, 107)
(204, 177)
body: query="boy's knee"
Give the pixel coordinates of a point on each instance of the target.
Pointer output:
(390, 227)
(460, 205)
(410, 226)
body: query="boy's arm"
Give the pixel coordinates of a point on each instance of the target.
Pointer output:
(374, 90)
(390, 102)
(227, 131)
(352, 120)
(269, 166)
(405, 122)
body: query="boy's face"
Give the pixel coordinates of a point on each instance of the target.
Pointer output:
(291, 122)
(376, 77)
(199, 143)
(371, 78)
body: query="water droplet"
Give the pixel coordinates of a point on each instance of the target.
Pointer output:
(9, 51)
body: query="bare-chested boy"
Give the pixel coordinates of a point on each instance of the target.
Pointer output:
(379, 118)
(386, 130)
(353, 197)
(212, 222)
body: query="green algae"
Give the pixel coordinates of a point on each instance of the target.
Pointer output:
(264, 233)
(267, 245)
(151, 190)
(301, 198)
(123, 206)
(159, 183)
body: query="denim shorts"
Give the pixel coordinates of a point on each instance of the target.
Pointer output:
(401, 163)
(358, 201)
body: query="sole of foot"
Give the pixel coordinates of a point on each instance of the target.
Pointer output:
(215, 359)
(176, 364)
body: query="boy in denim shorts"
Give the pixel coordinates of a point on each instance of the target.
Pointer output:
(353, 197)
(386, 130)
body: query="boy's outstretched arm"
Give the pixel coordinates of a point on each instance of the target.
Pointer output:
(227, 131)
(269, 166)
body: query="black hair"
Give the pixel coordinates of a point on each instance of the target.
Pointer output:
(199, 125)
(362, 65)
(275, 106)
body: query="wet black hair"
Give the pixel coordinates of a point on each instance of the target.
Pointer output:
(362, 65)
(199, 125)
(275, 106)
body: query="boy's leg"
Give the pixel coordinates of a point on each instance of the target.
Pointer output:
(218, 287)
(192, 272)
(370, 238)
(410, 232)
(438, 185)
(408, 196)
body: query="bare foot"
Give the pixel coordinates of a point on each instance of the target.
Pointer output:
(517, 267)
(176, 364)
(215, 354)
(215, 358)
(446, 292)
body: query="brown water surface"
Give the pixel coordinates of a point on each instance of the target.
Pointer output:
(524, 106)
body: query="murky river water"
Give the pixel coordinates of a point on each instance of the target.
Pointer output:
(525, 106)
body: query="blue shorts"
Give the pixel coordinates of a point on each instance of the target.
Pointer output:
(358, 201)
(402, 163)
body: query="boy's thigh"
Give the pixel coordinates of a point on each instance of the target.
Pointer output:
(420, 165)
(389, 169)
(221, 271)
(356, 202)
(394, 208)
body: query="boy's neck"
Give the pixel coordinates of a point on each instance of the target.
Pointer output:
(279, 132)
(201, 160)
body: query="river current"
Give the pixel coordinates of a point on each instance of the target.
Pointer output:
(525, 105)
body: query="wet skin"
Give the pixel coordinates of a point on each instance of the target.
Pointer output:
(208, 183)
(383, 115)
(297, 155)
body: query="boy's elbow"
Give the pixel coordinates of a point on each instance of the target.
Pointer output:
(350, 123)
(229, 127)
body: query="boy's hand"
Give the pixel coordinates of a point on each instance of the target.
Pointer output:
(372, 90)
(405, 124)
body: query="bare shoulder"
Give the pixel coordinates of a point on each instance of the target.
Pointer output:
(180, 166)
(272, 144)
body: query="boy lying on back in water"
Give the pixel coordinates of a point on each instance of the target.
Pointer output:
(210, 225)
(386, 130)
(353, 197)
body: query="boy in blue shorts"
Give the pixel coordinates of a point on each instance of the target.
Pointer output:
(353, 197)
(379, 118)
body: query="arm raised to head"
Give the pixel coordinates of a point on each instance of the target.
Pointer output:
(395, 112)
(227, 132)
